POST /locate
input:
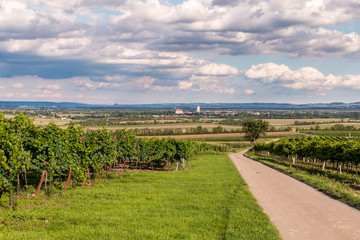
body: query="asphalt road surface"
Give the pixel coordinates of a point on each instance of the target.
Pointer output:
(298, 210)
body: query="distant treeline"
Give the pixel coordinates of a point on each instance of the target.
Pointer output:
(180, 131)
(195, 130)
(117, 122)
(337, 127)
(313, 122)
(230, 121)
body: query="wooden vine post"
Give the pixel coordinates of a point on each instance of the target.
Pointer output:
(40, 183)
(68, 180)
(87, 174)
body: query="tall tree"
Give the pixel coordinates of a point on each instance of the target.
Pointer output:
(254, 128)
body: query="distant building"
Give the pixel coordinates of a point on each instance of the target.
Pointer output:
(198, 109)
(179, 111)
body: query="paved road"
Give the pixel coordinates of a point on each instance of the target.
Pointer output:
(298, 210)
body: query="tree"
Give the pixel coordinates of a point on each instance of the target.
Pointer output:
(254, 128)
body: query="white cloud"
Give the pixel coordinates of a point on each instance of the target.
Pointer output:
(84, 85)
(49, 87)
(214, 84)
(36, 88)
(216, 69)
(142, 31)
(144, 82)
(184, 85)
(162, 88)
(108, 85)
(249, 91)
(153, 45)
(114, 78)
(307, 78)
(9, 95)
(17, 85)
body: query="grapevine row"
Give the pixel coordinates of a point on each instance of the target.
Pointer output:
(319, 151)
(56, 152)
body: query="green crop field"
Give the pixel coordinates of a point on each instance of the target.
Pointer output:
(333, 133)
(208, 201)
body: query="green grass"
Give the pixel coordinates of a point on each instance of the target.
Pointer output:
(208, 201)
(342, 187)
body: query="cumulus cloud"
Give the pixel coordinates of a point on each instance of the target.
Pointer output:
(153, 45)
(185, 84)
(309, 78)
(249, 91)
(84, 85)
(108, 85)
(162, 88)
(144, 82)
(243, 27)
(213, 84)
(137, 31)
(216, 69)
(33, 88)
(17, 85)
(49, 87)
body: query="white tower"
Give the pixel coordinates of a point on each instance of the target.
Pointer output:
(198, 109)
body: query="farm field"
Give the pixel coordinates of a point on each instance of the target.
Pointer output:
(329, 125)
(292, 121)
(164, 126)
(326, 122)
(45, 121)
(333, 133)
(227, 135)
(171, 123)
(208, 201)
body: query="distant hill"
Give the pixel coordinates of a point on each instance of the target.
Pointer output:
(258, 106)
(255, 106)
(20, 104)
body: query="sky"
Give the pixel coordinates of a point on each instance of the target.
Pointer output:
(180, 51)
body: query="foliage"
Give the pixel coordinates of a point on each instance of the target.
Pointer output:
(180, 131)
(331, 133)
(211, 201)
(254, 128)
(26, 147)
(338, 151)
(340, 186)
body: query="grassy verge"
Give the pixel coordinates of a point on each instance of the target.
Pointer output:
(208, 201)
(342, 187)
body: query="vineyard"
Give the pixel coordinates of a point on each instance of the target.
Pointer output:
(329, 164)
(337, 153)
(331, 133)
(55, 155)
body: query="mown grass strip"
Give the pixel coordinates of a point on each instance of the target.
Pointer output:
(324, 181)
(208, 201)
